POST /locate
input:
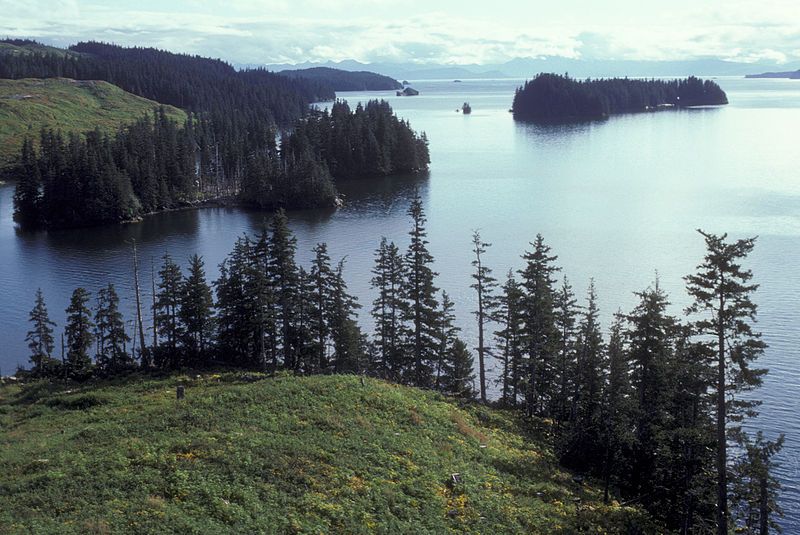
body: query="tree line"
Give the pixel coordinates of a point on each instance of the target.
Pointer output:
(554, 98)
(155, 164)
(655, 409)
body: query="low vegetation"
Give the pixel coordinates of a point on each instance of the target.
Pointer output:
(27, 106)
(245, 453)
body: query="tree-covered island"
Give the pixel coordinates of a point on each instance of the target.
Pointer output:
(559, 98)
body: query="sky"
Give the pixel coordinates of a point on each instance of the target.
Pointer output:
(423, 32)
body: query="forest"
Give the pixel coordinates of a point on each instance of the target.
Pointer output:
(156, 164)
(228, 148)
(558, 98)
(346, 80)
(655, 409)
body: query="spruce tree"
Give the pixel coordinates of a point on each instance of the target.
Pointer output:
(283, 276)
(29, 189)
(196, 310)
(585, 434)
(346, 336)
(509, 316)
(565, 318)
(40, 337)
(447, 332)
(485, 286)
(322, 279)
(419, 292)
(79, 334)
(455, 373)
(387, 311)
(539, 332)
(754, 486)
(722, 291)
(167, 306)
(112, 355)
(651, 333)
(617, 411)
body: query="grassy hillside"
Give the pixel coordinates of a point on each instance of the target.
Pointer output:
(30, 104)
(247, 454)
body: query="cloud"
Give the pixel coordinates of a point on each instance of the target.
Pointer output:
(451, 32)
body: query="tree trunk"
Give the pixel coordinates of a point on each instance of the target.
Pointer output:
(722, 460)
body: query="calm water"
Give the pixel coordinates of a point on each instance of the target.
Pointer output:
(618, 201)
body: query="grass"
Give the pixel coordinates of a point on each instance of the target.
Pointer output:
(28, 105)
(251, 454)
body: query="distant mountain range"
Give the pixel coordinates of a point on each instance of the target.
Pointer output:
(789, 74)
(528, 67)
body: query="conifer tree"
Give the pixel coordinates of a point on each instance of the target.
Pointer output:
(454, 365)
(462, 374)
(40, 337)
(347, 339)
(79, 335)
(29, 189)
(322, 278)
(650, 335)
(485, 286)
(584, 439)
(387, 311)
(196, 309)
(617, 412)
(722, 291)
(419, 292)
(283, 276)
(112, 355)
(167, 307)
(755, 488)
(539, 325)
(565, 313)
(447, 332)
(509, 316)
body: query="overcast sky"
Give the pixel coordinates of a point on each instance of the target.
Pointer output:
(432, 31)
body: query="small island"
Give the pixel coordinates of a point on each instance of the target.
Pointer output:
(559, 98)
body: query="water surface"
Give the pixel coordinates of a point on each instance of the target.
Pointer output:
(618, 200)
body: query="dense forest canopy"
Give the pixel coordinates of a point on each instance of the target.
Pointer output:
(553, 97)
(346, 80)
(156, 164)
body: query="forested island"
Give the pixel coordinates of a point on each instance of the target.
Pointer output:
(249, 136)
(345, 80)
(559, 98)
(639, 410)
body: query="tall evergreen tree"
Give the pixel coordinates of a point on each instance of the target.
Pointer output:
(454, 365)
(510, 338)
(283, 276)
(539, 325)
(112, 354)
(79, 334)
(485, 286)
(419, 292)
(650, 335)
(565, 319)
(388, 311)
(722, 292)
(617, 406)
(167, 306)
(348, 342)
(195, 311)
(322, 278)
(40, 337)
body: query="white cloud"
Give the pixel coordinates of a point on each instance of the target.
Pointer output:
(272, 31)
